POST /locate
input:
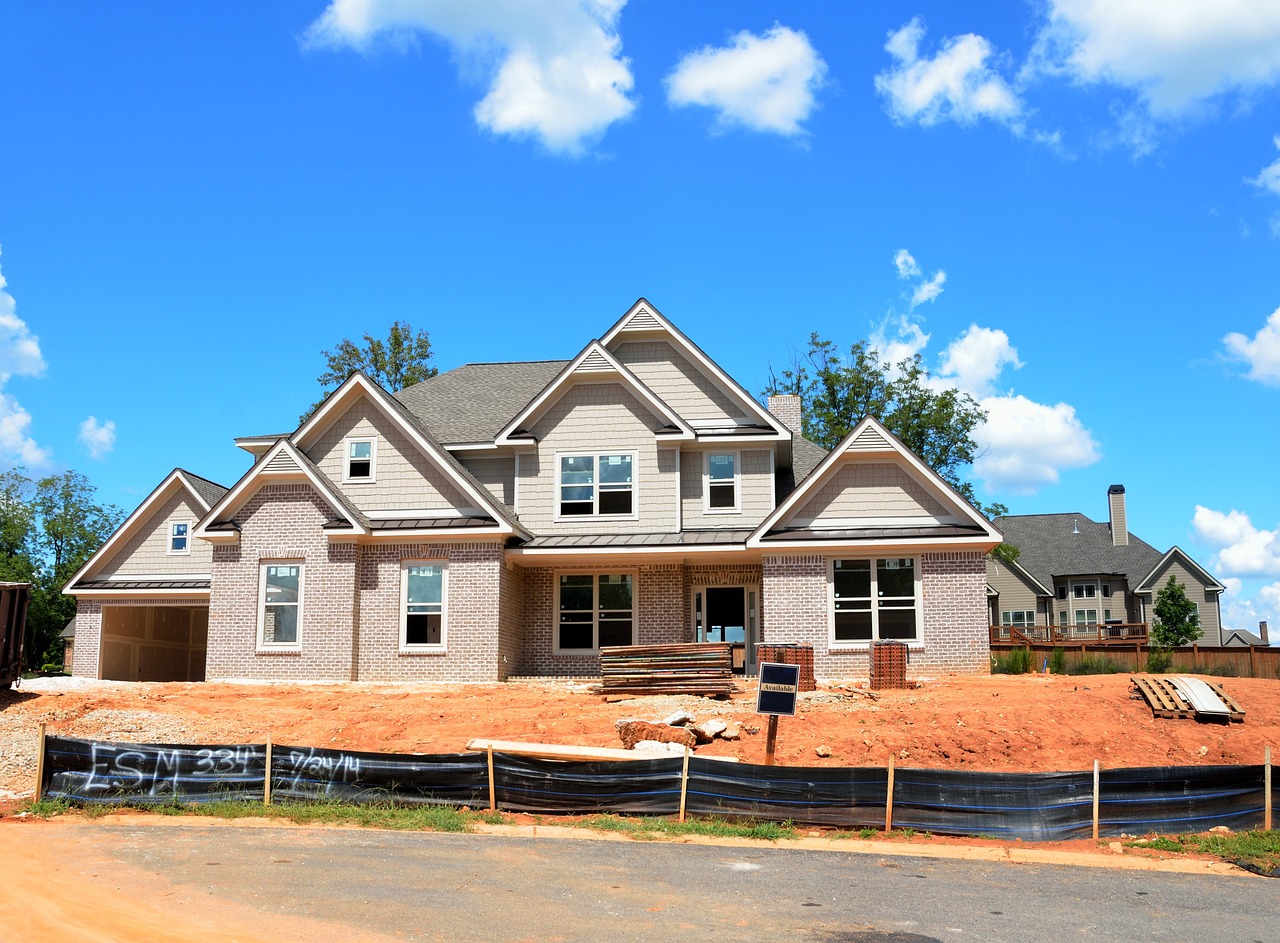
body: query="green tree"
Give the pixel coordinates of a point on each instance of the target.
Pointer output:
(1177, 620)
(17, 526)
(403, 359)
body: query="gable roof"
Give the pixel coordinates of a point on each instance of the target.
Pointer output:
(1177, 553)
(1052, 545)
(870, 437)
(472, 403)
(594, 361)
(204, 491)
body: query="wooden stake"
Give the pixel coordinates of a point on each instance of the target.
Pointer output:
(1266, 790)
(888, 798)
(772, 741)
(1096, 779)
(40, 766)
(266, 775)
(684, 781)
(493, 791)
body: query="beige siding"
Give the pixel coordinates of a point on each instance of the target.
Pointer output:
(595, 418)
(679, 384)
(404, 477)
(1016, 594)
(1210, 627)
(497, 473)
(755, 480)
(870, 489)
(146, 552)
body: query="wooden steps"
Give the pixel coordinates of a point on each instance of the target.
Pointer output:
(631, 670)
(1162, 695)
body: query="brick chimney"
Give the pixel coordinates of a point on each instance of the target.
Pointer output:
(786, 408)
(1262, 632)
(1119, 522)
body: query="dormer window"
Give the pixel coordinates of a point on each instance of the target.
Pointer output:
(360, 459)
(722, 482)
(180, 538)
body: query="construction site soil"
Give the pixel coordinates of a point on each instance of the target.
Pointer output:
(1023, 723)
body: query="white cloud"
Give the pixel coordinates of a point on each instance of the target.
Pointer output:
(929, 290)
(897, 339)
(557, 73)
(1024, 445)
(1262, 353)
(924, 291)
(956, 84)
(974, 360)
(763, 83)
(1242, 549)
(1242, 612)
(1174, 54)
(906, 264)
(98, 438)
(1269, 176)
(19, 356)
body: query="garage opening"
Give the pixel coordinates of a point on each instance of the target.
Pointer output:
(154, 643)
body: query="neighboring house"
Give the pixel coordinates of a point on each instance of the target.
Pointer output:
(1076, 579)
(510, 519)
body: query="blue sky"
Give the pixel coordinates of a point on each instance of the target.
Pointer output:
(1070, 209)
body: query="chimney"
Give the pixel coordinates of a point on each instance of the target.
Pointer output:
(1262, 632)
(1119, 523)
(786, 407)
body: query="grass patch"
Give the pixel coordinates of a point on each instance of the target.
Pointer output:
(649, 828)
(1257, 851)
(1093, 665)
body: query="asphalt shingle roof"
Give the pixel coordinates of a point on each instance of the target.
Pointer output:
(473, 402)
(209, 491)
(1047, 547)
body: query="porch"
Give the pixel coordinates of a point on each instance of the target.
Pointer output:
(1096, 633)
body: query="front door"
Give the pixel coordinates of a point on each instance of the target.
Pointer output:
(728, 614)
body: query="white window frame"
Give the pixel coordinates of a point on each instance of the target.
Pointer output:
(852, 644)
(296, 645)
(1084, 590)
(596, 456)
(347, 459)
(737, 484)
(432, 648)
(595, 608)
(169, 549)
(1028, 615)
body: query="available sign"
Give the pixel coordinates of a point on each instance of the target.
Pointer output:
(779, 687)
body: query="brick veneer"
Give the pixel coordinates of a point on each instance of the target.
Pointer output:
(796, 609)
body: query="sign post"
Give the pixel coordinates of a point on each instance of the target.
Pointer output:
(779, 688)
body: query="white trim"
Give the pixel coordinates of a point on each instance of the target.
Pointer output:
(296, 644)
(596, 514)
(347, 459)
(438, 648)
(531, 413)
(773, 477)
(515, 485)
(169, 539)
(863, 644)
(737, 482)
(679, 490)
(595, 575)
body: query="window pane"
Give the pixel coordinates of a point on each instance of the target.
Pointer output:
(575, 630)
(577, 469)
(425, 584)
(179, 530)
(615, 631)
(898, 623)
(615, 469)
(721, 496)
(853, 625)
(576, 593)
(615, 591)
(361, 450)
(853, 579)
(282, 583)
(422, 628)
(896, 577)
(570, 507)
(615, 502)
(720, 467)
(280, 625)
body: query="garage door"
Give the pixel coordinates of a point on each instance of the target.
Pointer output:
(154, 643)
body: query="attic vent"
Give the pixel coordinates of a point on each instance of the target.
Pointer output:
(281, 462)
(642, 320)
(869, 441)
(594, 362)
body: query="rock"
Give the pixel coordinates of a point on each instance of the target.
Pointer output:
(1116, 848)
(1221, 830)
(1203, 751)
(656, 746)
(708, 730)
(822, 750)
(635, 731)
(617, 724)
(731, 732)
(681, 718)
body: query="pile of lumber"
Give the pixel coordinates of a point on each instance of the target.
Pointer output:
(1181, 696)
(629, 670)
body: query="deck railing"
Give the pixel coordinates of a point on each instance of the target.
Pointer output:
(1095, 632)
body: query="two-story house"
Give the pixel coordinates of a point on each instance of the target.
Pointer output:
(510, 519)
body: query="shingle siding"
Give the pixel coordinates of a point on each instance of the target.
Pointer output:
(146, 552)
(755, 483)
(497, 474)
(870, 489)
(676, 381)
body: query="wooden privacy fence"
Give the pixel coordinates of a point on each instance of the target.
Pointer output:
(1256, 661)
(1028, 806)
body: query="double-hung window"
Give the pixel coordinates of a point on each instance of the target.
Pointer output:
(422, 610)
(180, 537)
(280, 605)
(595, 610)
(874, 600)
(722, 482)
(361, 455)
(602, 484)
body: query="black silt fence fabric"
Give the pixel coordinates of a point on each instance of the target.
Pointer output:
(839, 798)
(454, 779)
(90, 772)
(1030, 806)
(1180, 799)
(636, 787)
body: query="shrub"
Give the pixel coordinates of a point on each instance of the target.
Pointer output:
(1017, 662)
(1058, 661)
(1159, 660)
(1093, 665)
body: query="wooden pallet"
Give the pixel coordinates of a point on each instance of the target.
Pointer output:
(631, 670)
(1165, 701)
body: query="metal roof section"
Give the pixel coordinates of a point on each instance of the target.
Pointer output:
(689, 538)
(594, 362)
(133, 586)
(471, 404)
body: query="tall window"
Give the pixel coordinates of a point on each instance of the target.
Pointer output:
(596, 610)
(874, 600)
(179, 538)
(360, 457)
(280, 609)
(422, 617)
(722, 481)
(597, 484)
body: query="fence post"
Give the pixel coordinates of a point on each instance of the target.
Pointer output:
(684, 780)
(493, 793)
(888, 799)
(1266, 789)
(40, 766)
(266, 775)
(1096, 779)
